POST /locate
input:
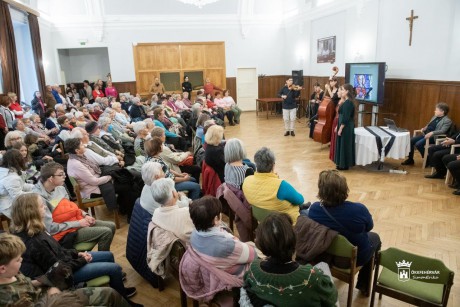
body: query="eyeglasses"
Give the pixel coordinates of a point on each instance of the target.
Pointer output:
(60, 175)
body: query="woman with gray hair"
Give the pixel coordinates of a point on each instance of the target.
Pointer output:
(170, 216)
(152, 171)
(267, 191)
(235, 170)
(105, 124)
(141, 131)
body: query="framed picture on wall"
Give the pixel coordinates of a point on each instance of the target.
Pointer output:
(326, 50)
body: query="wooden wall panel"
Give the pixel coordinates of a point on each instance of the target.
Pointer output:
(217, 77)
(167, 57)
(192, 56)
(124, 87)
(231, 86)
(215, 56)
(151, 59)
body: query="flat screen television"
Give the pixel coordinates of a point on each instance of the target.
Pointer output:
(368, 79)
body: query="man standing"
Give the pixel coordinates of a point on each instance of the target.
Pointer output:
(157, 87)
(289, 93)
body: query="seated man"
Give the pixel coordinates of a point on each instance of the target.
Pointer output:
(18, 290)
(70, 232)
(170, 216)
(265, 190)
(439, 124)
(436, 154)
(452, 162)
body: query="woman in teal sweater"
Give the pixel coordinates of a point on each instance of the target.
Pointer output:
(278, 280)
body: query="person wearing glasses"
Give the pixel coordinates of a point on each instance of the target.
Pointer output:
(11, 183)
(63, 219)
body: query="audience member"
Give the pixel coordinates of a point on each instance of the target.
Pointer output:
(280, 281)
(266, 190)
(235, 170)
(352, 220)
(214, 150)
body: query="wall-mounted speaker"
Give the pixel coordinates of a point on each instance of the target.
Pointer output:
(297, 77)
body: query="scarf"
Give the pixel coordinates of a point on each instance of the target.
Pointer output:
(89, 164)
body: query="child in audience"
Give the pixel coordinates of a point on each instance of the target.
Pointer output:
(18, 290)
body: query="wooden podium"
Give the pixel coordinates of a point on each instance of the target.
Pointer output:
(323, 127)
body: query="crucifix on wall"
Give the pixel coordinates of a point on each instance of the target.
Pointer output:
(411, 25)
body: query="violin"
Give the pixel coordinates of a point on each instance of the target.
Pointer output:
(294, 87)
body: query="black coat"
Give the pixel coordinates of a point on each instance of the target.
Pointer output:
(42, 251)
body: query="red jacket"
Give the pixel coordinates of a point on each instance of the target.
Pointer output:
(66, 211)
(210, 180)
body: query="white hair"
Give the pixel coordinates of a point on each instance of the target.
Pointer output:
(150, 170)
(104, 121)
(138, 126)
(76, 133)
(116, 105)
(162, 190)
(78, 114)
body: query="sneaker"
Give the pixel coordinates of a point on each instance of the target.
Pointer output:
(292, 133)
(408, 162)
(130, 292)
(286, 133)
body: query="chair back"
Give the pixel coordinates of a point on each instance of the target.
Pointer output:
(392, 256)
(76, 189)
(259, 213)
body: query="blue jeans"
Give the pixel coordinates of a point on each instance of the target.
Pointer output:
(191, 186)
(102, 264)
(419, 143)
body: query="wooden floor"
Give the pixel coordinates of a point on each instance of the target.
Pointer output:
(412, 213)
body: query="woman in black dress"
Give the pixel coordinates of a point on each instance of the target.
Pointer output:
(187, 86)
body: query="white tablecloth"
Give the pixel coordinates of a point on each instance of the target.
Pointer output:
(366, 146)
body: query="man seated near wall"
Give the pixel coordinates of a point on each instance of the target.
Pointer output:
(69, 231)
(439, 124)
(438, 152)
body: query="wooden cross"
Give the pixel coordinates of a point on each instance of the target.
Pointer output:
(411, 24)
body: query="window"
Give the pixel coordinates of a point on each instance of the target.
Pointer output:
(26, 64)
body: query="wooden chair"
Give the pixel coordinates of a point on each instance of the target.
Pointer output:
(394, 282)
(89, 203)
(427, 144)
(342, 248)
(227, 210)
(175, 257)
(449, 178)
(4, 218)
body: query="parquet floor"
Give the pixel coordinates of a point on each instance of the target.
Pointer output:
(412, 213)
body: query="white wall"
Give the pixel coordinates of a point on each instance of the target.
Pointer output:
(80, 64)
(377, 31)
(278, 39)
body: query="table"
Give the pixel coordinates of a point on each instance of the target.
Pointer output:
(366, 146)
(267, 102)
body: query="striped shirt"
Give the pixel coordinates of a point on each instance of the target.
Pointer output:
(235, 174)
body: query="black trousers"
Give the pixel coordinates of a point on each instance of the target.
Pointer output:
(366, 271)
(193, 170)
(435, 155)
(453, 165)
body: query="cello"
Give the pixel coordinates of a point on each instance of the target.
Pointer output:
(326, 113)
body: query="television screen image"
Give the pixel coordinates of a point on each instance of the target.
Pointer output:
(368, 79)
(363, 86)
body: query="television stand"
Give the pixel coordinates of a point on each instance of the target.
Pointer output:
(374, 114)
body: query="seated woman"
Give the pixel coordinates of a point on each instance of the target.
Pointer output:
(179, 162)
(200, 126)
(105, 124)
(214, 150)
(265, 190)
(225, 108)
(352, 220)
(141, 131)
(280, 281)
(51, 121)
(121, 116)
(43, 251)
(11, 182)
(152, 171)
(235, 170)
(232, 104)
(37, 126)
(213, 243)
(184, 182)
(170, 216)
(13, 137)
(31, 172)
(172, 138)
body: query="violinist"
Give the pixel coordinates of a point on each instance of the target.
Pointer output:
(289, 93)
(315, 100)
